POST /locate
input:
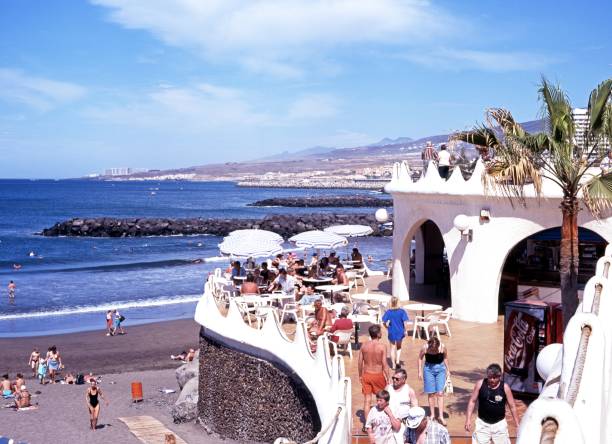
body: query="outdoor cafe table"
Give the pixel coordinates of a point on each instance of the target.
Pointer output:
(358, 319)
(380, 298)
(332, 289)
(239, 279)
(252, 299)
(313, 282)
(422, 307)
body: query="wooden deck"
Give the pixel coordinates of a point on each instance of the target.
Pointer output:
(149, 430)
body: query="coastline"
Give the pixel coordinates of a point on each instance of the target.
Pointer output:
(144, 347)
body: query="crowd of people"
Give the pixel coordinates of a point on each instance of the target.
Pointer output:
(397, 417)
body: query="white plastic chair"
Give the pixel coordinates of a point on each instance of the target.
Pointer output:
(369, 272)
(345, 338)
(442, 319)
(425, 323)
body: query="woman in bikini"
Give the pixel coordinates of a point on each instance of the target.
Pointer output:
(54, 362)
(92, 397)
(33, 362)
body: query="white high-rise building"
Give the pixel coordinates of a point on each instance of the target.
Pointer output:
(581, 122)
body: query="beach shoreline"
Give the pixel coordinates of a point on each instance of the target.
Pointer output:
(143, 347)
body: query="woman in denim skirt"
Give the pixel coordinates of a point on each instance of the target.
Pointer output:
(433, 369)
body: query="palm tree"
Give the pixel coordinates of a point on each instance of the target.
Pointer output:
(520, 158)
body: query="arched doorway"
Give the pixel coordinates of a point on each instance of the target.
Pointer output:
(531, 269)
(429, 270)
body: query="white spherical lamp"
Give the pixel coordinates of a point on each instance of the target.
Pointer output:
(461, 222)
(549, 358)
(381, 215)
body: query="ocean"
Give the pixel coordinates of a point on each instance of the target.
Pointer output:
(66, 284)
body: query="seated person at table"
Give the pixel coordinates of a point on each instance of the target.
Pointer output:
(237, 270)
(340, 279)
(342, 322)
(283, 282)
(22, 397)
(357, 258)
(265, 273)
(250, 263)
(279, 261)
(307, 295)
(333, 259)
(323, 267)
(322, 320)
(249, 286)
(314, 260)
(299, 267)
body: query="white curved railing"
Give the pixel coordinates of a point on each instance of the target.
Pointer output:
(323, 375)
(577, 395)
(432, 183)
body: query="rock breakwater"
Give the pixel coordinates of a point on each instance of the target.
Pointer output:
(285, 225)
(324, 201)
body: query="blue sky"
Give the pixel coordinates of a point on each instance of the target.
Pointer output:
(86, 86)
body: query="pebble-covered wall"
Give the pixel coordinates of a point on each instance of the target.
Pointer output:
(249, 399)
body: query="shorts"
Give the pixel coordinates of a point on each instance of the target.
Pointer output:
(7, 393)
(373, 383)
(485, 432)
(434, 378)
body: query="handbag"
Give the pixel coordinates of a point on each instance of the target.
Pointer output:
(448, 386)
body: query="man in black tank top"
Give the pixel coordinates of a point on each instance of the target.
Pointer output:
(492, 394)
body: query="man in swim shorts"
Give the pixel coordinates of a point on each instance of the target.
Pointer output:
(372, 366)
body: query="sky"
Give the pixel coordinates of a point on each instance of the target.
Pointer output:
(90, 85)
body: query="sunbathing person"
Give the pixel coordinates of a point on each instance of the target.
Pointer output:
(184, 356)
(19, 381)
(6, 386)
(22, 397)
(322, 320)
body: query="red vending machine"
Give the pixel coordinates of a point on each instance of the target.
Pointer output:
(529, 326)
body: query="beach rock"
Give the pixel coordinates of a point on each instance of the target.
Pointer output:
(188, 371)
(186, 407)
(324, 201)
(286, 225)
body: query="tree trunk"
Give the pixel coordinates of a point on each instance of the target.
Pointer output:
(568, 269)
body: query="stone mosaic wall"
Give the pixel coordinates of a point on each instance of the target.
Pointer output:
(249, 399)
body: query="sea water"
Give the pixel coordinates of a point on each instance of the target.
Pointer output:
(66, 284)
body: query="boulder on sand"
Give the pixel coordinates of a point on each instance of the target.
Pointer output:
(185, 408)
(189, 370)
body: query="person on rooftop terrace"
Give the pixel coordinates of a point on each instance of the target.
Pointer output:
(444, 162)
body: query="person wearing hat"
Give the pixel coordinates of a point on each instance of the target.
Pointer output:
(381, 424)
(422, 430)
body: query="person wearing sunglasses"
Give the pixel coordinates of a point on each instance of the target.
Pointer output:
(403, 397)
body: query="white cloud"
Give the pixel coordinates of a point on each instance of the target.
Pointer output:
(37, 92)
(279, 37)
(204, 106)
(314, 106)
(455, 59)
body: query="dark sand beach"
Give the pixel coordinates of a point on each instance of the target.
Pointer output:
(142, 355)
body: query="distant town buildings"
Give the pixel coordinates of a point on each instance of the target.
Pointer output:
(123, 171)
(581, 122)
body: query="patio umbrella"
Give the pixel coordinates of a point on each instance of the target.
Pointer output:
(318, 239)
(241, 248)
(350, 230)
(254, 234)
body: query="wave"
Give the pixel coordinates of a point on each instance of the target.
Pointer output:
(101, 308)
(110, 267)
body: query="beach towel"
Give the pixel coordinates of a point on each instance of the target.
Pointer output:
(23, 409)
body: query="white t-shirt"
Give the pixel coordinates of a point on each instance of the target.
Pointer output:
(380, 424)
(400, 400)
(444, 158)
(287, 284)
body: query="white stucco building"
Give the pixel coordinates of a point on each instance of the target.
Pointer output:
(474, 265)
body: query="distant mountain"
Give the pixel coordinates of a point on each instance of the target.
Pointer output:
(386, 141)
(307, 152)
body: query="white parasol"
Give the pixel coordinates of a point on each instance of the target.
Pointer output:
(318, 239)
(241, 248)
(254, 234)
(350, 230)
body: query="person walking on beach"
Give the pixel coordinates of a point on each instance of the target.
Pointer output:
(109, 323)
(493, 394)
(11, 291)
(118, 328)
(42, 370)
(54, 362)
(92, 397)
(395, 320)
(33, 362)
(372, 367)
(433, 369)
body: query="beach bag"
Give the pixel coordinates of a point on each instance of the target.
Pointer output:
(80, 379)
(448, 386)
(121, 318)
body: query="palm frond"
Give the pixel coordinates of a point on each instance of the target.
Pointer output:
(598, 102)
(558, 112)
(597, 194)
(510, 173)
(506, 122)
(480, 136)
